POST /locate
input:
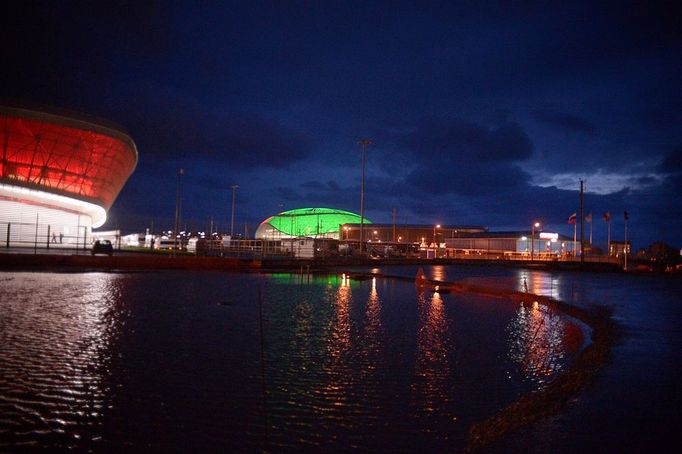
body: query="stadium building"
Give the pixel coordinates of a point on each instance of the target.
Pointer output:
(59, 175)
(306, 223)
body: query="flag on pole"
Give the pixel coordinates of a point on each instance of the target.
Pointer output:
(572, 218)
(588, 218)
(607, 216)
(626, 216)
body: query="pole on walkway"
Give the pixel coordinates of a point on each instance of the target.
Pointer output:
(625, 244)
(363, 145)
(582, 222)
(35, 243)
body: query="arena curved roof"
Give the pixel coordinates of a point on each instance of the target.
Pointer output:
(77, 158)
(307, 222)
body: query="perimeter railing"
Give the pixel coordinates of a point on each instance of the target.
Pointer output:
(43, 236)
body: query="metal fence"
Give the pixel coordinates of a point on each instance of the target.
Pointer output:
(44, 236)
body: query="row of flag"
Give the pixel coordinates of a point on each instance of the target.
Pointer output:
(606, 217)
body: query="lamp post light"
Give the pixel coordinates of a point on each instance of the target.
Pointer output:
(363, 144)
(532, 238)
(435, 244)
(234, 188)
(177, 210)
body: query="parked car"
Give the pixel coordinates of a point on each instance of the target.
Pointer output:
(102, 247)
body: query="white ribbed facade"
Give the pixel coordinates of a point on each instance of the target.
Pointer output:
(39, 219)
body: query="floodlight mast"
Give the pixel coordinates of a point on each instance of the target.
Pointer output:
(363, 144)
(234, 188)
(178, 208)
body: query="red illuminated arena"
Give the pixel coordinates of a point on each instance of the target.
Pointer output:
(58, 176)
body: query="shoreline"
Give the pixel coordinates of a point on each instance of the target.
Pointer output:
(140, 261)
(533, 407)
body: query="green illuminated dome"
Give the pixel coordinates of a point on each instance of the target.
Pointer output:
(306, 222)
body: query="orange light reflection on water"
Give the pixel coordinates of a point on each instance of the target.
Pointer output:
(341, 326)
(432, 367)
(338, 345)
(438, 273)
(371, 345)
(536, 342)
(538, 283)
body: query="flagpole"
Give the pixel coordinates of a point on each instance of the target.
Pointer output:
(625, 245)
(607, 218)
(582, 221)
(575, 229)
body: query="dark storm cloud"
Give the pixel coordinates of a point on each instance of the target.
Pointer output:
(659, 103)
(466, 158)
(320, 186)
(285, 193)
(671, 167)
(65, 53)
(469, 180)
(455, 141)
(566, 122)
(317, 194)
(672, 163)
(174, 126)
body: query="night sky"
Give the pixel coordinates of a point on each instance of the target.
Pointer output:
(481, 113)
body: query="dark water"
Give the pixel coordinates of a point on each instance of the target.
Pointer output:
(635, 405)
(178, 361)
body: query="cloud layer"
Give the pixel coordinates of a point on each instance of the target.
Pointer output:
(479, 114)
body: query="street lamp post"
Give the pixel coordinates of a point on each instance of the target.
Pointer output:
(532, 238)
(435, 244)
(363, 144)
(234, 189)
(177, 210)
(625, 243)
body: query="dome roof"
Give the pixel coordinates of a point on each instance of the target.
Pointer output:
(67, 156)
(306, 222)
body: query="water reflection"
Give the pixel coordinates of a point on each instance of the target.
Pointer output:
(341, 325)
(338, 346)
(438, 273)
(371, 347)
(363, 363)
(539, 283)
(55, 355)
(536, 342)
(432, 367)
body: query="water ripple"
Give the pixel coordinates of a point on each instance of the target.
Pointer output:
(150, 362)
